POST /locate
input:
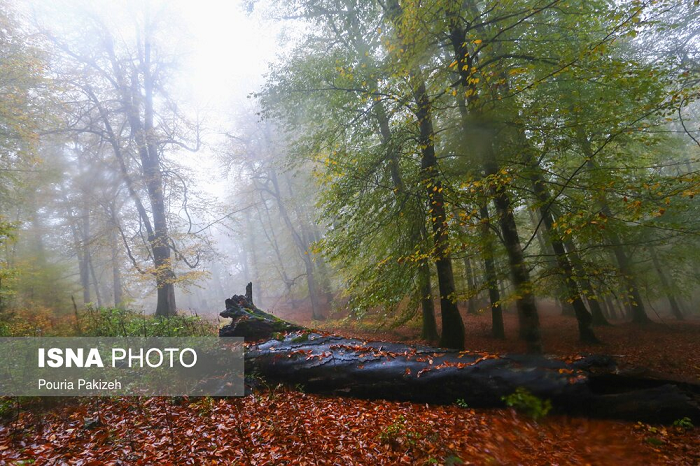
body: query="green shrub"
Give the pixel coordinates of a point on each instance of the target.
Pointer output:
(36, 320)
(391, 433)
(112, 322)
(396, 434)
(7, 406)
(100, 322)
(204, 406)
(524, 401)
(684, 423)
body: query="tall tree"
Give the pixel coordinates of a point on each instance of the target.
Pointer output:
(121, 80)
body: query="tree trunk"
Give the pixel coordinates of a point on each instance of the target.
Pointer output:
(336, 366)
(634, 300)
(323, 272)
(96, 282)
(452, 324)
(302, 247)
(313, 290)
(471, 285)
(612, 310)
(675, 308)
(80, 245)
(333, 365)
(321, 281)
(573, 295)
(251, 323)
(567, 309)
(429, 326)
(594, 304)
(528, 318)
(429, 330)
(134, 98)
(479, 137)
(271, 236)
(636, 306)
(584, 318)
(150, 160)
(503, 289)
(83, 267)
(586, 286)
(116, 270)
(497, 327)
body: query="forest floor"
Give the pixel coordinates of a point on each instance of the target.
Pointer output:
(282, 426)
(668, 346)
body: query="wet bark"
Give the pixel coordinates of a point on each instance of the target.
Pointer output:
(452, 324)
(333, 365)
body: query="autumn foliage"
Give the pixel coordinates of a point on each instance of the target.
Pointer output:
(277, 425)
(283, 426)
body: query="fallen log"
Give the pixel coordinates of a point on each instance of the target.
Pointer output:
(250, 322)
(333, 365)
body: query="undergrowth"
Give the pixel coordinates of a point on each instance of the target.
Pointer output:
(524, 401)
(102, 322)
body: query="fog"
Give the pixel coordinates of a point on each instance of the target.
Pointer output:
(215, 55)
(168, 153)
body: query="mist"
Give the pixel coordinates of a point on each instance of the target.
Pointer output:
(395, 231)
(168, 154)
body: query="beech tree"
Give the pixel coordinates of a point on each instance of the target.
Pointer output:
(371, 166)
(493, 108)
(118, 85)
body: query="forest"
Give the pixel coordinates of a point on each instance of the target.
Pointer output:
(506, 187)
